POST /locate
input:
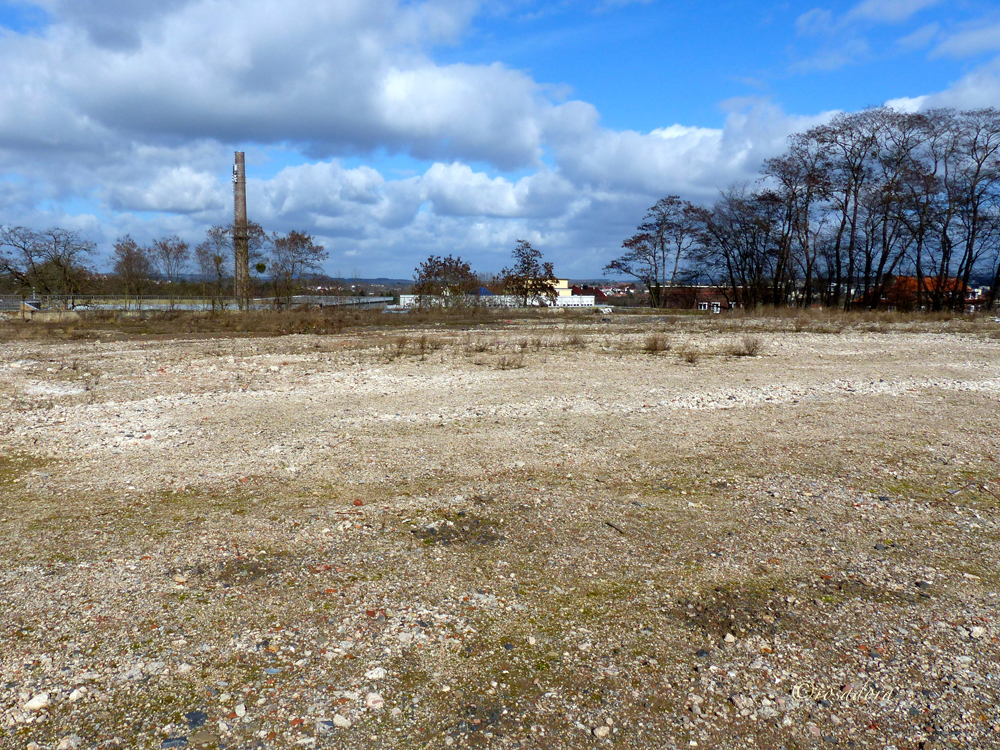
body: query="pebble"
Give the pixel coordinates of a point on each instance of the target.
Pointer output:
(730, 638)
(37, 703)
(341, 721)
(202, 738)
(69, 743)
(374, 701)
(977, 632)
(601, 731)
(376, 673)
(173, 742)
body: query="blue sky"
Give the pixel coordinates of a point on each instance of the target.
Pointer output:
(392, 130)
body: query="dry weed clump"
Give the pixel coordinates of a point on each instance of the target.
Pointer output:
(690, 356)
(750, 346)
(656, 343)
(510, 362)
(479, 346)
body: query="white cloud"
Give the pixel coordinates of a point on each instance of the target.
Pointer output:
(889, 11)
(172, 190)
(978, 88)
(815, 22)
(139, 114)
(920, 38)
(969, 41)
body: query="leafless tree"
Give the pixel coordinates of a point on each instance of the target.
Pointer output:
(670, 230)
(529, 278)
(449, 279)
(293, 256)
(51, 261)
(171, 256)
(132, 265)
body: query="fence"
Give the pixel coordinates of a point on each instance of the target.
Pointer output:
(109, 302)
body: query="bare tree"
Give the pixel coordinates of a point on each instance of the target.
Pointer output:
(530, 278)
(171, 256)
(211, 257)
(132, 265)
(449, 279)
(292, 257)
(670, 230)
(802, 179)
(51, 261)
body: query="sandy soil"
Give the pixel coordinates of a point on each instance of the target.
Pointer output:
(536, 535)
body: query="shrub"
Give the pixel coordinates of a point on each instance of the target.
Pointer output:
(656, 343)
(751, 346)
(506, 362)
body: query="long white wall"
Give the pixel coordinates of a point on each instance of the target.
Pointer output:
(498, 300)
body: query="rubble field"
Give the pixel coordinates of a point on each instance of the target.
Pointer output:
(579, 532)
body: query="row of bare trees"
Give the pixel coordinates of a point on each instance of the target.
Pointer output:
(58, 262)
(850, 206)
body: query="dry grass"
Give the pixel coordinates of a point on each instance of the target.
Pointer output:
(656, 343)
(510, 362)
(690, 356)
(750, 346)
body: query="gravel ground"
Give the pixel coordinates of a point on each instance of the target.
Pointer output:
(538, 535)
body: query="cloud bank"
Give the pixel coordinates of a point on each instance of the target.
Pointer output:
(121, 116)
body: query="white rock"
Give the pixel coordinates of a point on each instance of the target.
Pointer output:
(184, 668)
(77, 694)
(602, 731)
(977, 632)
(730, 638)
(241, 710)
(69, 743)
(376, 673)
(374, 701)
(37, 703)
(341, 721)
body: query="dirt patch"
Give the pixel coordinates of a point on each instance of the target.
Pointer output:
(461, 530)
(736, 612)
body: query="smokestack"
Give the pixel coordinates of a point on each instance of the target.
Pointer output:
(241, 242)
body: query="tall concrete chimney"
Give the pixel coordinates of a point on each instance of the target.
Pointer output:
(241, 242)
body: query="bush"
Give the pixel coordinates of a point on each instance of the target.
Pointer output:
(656, 343)
(751, 346)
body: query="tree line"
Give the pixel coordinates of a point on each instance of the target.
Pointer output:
(59, 262)
(846, 210)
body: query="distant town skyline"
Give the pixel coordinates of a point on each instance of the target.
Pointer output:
(393, 130)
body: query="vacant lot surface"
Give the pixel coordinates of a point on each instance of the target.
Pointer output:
(539, 534)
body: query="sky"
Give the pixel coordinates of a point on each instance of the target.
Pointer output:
(392, 130)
